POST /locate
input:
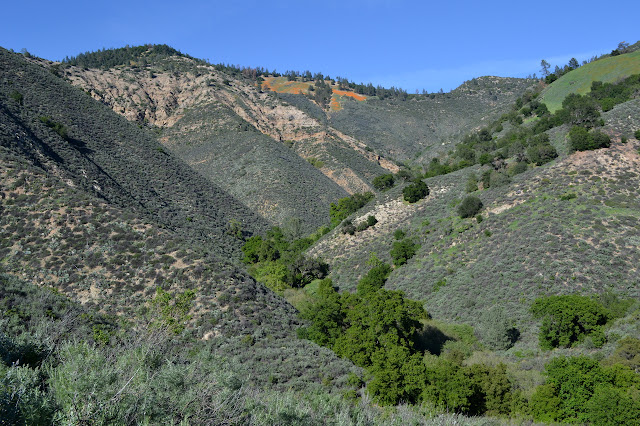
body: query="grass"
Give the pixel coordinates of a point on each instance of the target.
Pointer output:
(607, 70)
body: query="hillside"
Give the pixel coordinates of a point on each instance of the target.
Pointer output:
(493, 271)
(608, 70)
(426, 126)
(62, 130)
(289, 157)
(570, 226)
(104, 216)
(203, 110)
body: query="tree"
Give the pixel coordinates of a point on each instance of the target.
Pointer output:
(581, 139)
(415, 191)
(573, 63)
(579, 110)
(623, 46)
(469, 207)
(383, 182)
(544, 68)
(403, 250)
(568, 319)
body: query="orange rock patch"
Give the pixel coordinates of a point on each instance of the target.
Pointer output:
(350, 94)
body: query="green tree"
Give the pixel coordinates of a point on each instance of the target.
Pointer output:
(544, 68)
(469, 207)
(579, 110)
(568, 319)
(383, 182)
(403, 250)
(415, 191)
(581, 139)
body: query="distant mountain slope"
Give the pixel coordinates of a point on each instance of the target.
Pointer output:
(59, 128)
(607, 70)
(427, 125)
(176, 93)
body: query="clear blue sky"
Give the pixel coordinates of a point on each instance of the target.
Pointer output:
(408, 44)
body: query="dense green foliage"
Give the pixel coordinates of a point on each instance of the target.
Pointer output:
(403, 250)
(580, 390)
(581, 139)
(347, 206)
(415, 191)
(279, 262)
(377, 329)
(567, 320)
(609, 95)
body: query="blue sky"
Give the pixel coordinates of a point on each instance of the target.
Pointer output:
(410, 44)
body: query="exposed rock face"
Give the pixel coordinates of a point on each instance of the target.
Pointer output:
(160, 98)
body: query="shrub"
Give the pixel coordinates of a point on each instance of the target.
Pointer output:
(541, 154)
(346, 206)
(581, 139)
(415, 191)
(16, 96)
(637, 134)
(469, 207)
(383, 182)
(348, 227)
(568, 319)
(402, 251)
(496, 330)
(362, 226)
(371, 220)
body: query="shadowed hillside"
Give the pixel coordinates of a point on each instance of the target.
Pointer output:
(62, 130)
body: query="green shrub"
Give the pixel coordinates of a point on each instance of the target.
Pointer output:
(541, 154)
(383, 182)
(581, 139)
(59, 128)
(415, 191)
(637, 134)
(469, 207)
(348, 205)
(403, 250)
(580, 390)
(399, 234)
(16, 96)
(348, 227)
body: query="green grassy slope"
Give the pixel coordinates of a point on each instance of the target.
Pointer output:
(425, 125)
(607, 70)
(112, 158)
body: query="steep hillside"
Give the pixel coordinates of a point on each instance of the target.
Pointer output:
(97, 210)
(62, 130)
(608, 70)
(204, 111)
